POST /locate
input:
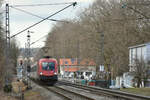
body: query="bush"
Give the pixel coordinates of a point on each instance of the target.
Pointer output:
(8, 88)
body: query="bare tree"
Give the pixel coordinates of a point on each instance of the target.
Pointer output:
(140, 72)
(2, 56)
(14, 53)
(122, 27)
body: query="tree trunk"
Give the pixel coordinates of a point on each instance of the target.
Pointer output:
(139, 83)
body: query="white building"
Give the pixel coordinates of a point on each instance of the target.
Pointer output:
(140, 52)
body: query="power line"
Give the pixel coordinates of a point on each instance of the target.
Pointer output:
(126, 6)
(43, 20)
(35, 14)
(138, 12)
(126, 19)
(33, 5)
(145, 3)
(3, 11)
(38, 40)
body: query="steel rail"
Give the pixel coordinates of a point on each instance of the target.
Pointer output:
(49, 89)
(75, 93)
(108, 92)
(59, 93)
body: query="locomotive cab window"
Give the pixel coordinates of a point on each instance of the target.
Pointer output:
(48, 65)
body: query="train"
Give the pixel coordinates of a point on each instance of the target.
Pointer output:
(46, 70)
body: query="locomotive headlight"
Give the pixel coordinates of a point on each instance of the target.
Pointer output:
(41, 73)
(55, 73)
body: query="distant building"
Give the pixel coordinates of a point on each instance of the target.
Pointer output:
(87, 65)
(70, 65)
(139, 52)
(87, 68)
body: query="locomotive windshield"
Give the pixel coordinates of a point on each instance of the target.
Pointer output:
(48, 66)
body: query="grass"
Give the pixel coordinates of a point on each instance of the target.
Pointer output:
(140, 91)
(32, 95)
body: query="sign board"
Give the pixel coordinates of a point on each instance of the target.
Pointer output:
(101, 68)
(19, 71)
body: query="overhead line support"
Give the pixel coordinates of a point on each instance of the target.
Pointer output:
(43, 20)
(33, 5)
(7, 26)
(126, 6)
(38, 40)
(7, 46)
(35, 14)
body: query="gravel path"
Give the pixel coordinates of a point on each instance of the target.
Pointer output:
(47, 95)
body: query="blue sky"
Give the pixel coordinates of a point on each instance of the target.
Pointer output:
(20, 20)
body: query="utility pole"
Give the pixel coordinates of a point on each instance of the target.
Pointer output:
(28, 58)
(25, 64)
(100, 68)
(28, 49)
(7, 47)
(7, 27)
(78, 52)
(102, 49)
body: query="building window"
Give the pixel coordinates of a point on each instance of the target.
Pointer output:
(148, 53)
(144, 53)
(72, 61)
(133, 56)
(66, 62)
(139, 54)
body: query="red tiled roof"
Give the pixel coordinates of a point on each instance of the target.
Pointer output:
(73, 62)
(68, 62)
(71, 69)
(88, 62)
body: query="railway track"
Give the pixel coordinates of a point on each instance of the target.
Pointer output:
(68, 94)
(63, 93)
(107, 92)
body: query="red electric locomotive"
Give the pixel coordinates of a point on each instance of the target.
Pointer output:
(47, 69)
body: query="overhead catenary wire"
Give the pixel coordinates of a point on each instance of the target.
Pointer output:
(36, 15)
(2, 12)
(33, 5)
(144, 3)
(38, 39)
(43, 20)
(137, 11)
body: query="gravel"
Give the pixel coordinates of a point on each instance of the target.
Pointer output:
(88, 93)
(47, 95)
